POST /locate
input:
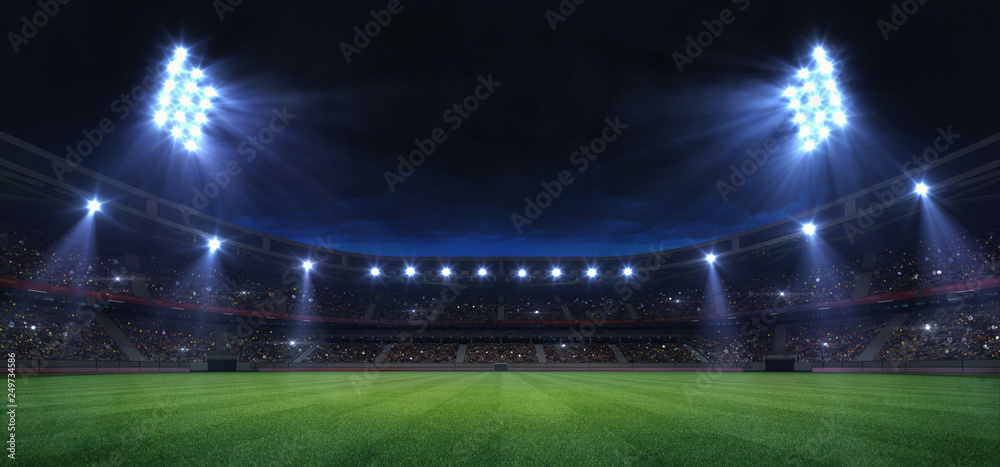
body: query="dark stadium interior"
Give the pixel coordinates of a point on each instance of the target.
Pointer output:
(520, 233)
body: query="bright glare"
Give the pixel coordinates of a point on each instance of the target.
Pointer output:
(628, 271)
(921, 189)
(94, 206)
(556, 272)
(446, 272)
(522, 273)
(184, 100)
(374, 271)
(482, 271)
(710, 258)
(410, 271)
(809, 229)
(214, 244)
(307, 265)
(816, 101)
(591, 272)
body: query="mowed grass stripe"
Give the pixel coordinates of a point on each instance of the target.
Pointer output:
(424, 418)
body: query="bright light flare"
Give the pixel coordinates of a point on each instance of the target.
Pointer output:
(591, 272)
(809, 229)
(556, 272)
(482, 272)
(921, 189)
(710, 258)
(446, 272)
(307, 265)
(214, 244)
(628, 271)
(184, 101)
(410, 271)
(522, 273)
(374, 271)
(93, 206)
(815, 100)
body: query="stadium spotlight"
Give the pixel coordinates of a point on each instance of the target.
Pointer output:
(307, 265)
(184, 101)
(293, 342)
(93, 206)
(410, 271)
(446, 272)
(710, 258)
(522, 273)
(809, 229)
(816, 102)
(591, 272)
(374, 271)
(556, 272)
(628, 271)
(214, 244)
(482, 272)
(921, 189)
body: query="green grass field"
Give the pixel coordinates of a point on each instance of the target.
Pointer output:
(448, 418)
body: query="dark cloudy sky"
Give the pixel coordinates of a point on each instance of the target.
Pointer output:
(654, 185)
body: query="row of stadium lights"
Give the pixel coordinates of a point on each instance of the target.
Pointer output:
(214, 244)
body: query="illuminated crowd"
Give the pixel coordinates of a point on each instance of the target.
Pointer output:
(510, 353)
(832, 341)
(966, 257)
(731, 344)
(161, 340)
(956, 332)
(579, 353)
(596, 308)
(656, 353)
(422, 353)
(345, 353)
(32, 256)
(54, 332)
(270, 345)
(525, 307)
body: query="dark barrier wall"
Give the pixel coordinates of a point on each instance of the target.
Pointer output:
(34, 367)
(780, 364)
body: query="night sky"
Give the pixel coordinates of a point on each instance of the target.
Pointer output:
(347, 120)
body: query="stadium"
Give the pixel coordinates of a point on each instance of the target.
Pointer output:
(556, 233)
